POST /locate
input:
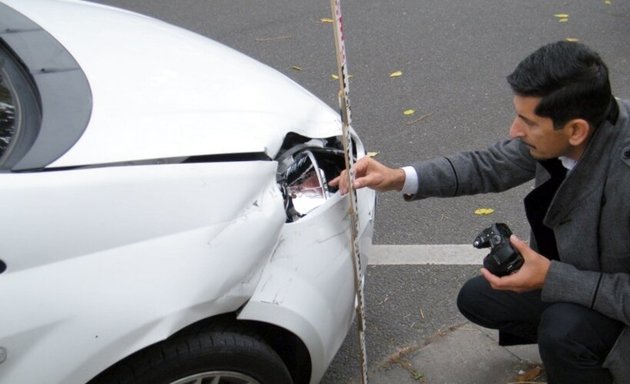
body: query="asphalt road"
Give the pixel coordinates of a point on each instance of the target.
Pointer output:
(454, 56)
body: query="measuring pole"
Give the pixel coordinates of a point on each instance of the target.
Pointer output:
(344, 105)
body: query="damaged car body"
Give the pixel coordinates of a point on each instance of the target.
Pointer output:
(164, 222)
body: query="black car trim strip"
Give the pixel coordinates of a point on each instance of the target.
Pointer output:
(215, 158)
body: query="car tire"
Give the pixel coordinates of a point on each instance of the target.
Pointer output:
(227, 356)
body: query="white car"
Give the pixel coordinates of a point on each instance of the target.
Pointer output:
(164, 209)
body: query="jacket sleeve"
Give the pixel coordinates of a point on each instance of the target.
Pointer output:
(502, 166)
(607, 293)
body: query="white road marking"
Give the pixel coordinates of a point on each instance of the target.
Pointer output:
(450, 254)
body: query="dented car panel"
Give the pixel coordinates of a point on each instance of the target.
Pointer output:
(307, 286)
(128, 267)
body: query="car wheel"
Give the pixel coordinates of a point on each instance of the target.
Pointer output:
(219, 357)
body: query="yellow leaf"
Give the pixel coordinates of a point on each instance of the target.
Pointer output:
(372, 154)
(295, 67)
(409, 112)
(529, 375)
(561, 15)
(334, 76)
(563, 20)
(395, 74)
(572, 39)
(326, 20)
(484, 211)
(607, 2)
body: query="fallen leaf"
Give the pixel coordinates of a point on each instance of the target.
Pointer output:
(607, 2)
(419, 118)
(395, 74)
(563, 20)
(372, 154)
(529, 375)
(326, 20)
(572, 39)
(409, 112)
(484, 211)
(561, 15)
(295, 67)
(334, 76)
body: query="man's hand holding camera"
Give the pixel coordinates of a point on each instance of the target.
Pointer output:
(530, 276)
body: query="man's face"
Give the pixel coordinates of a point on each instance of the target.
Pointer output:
(537, 132)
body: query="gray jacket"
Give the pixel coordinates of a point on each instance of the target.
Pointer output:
(589, 215)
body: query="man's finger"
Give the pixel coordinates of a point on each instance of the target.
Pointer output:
(496, 282)
(360, 167)
(519, 245)
(363, 181)
(516, 242)
(493, 280)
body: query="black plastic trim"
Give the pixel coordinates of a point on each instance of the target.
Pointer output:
(218, 158)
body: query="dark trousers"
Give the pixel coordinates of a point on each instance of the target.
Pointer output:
(573, 340)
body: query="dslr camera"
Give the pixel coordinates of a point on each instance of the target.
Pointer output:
(502, 259)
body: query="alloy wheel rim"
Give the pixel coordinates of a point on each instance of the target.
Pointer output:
(217, 377)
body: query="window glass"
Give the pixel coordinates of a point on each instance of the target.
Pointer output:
(7, 113)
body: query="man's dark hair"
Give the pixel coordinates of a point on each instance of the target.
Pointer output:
(572, 81)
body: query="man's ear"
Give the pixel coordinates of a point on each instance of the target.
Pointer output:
(579, 131)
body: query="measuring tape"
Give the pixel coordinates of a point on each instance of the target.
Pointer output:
(344, 105)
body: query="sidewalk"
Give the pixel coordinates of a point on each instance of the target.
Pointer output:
(416, 335)
(465, 355)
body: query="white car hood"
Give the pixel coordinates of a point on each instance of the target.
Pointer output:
(160, 91)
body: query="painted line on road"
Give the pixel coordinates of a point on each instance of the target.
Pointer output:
(449, 254)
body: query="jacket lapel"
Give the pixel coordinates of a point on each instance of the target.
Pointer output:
(585, 183)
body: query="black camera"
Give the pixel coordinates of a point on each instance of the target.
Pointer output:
(502, 259)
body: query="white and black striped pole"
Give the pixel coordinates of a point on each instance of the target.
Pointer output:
(344, 105)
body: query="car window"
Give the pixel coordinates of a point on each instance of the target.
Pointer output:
(7, 112)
